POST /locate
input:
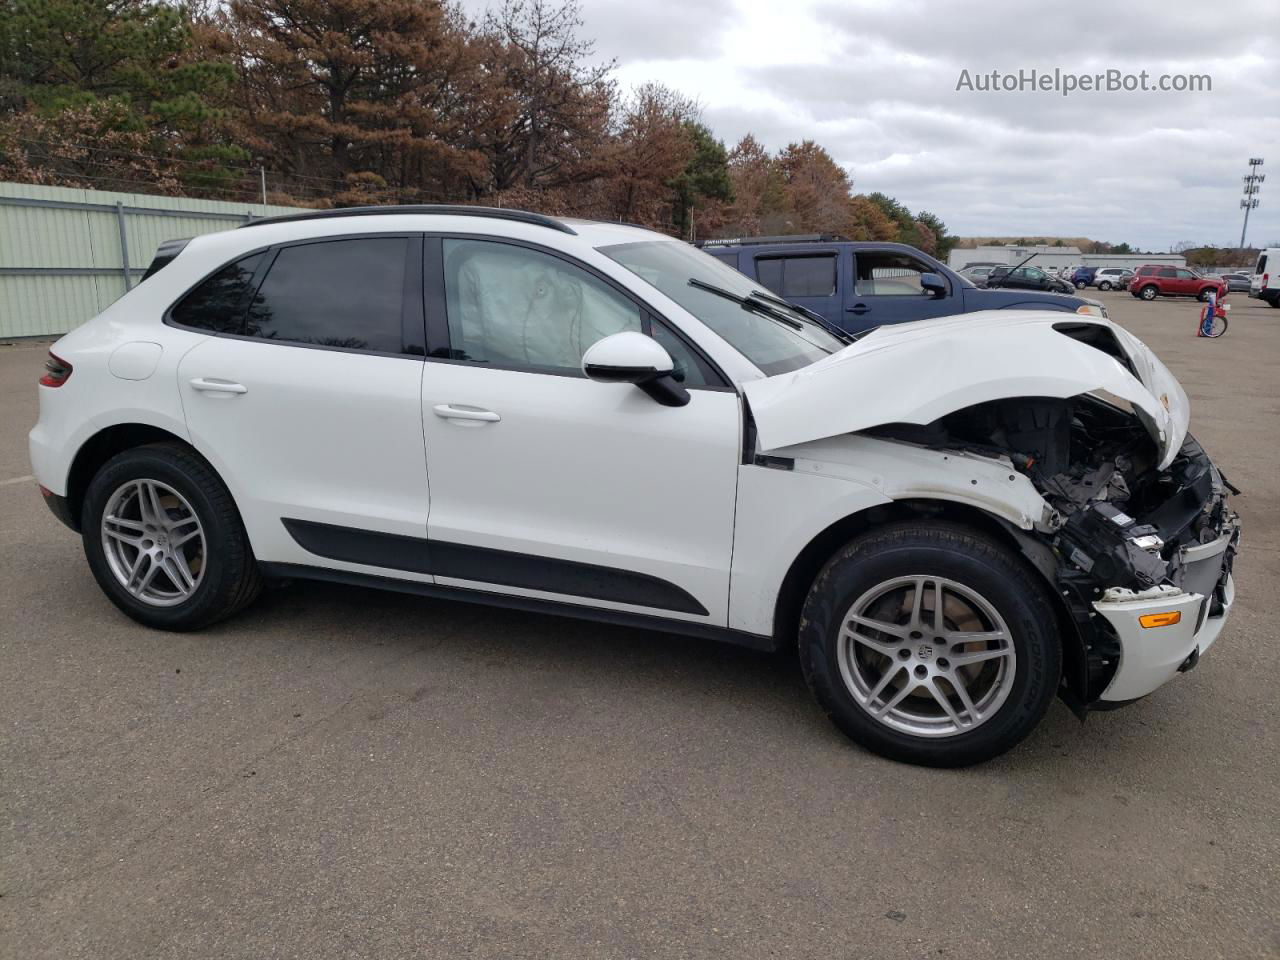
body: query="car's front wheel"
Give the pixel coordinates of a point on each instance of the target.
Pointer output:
(165, 541)
(930, 643)
(1203, 295)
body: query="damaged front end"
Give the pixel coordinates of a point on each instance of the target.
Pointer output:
(1141, 556)
(1129, 523)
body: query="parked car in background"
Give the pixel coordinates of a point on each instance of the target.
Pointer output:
(977, 275)
(951, 523)
(1265, 283)
(1112, 278)
(855, 286)
(1236, 282)
(1153, 281)
(1083, 277)
(1027, 277)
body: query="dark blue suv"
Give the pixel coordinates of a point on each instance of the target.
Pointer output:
(857, 285)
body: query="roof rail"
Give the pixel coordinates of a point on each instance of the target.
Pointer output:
(791, 238)
(439, 209)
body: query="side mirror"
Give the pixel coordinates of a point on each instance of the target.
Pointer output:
(631, 357)
(933, 285)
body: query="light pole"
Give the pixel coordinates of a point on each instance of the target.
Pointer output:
(1252, 186)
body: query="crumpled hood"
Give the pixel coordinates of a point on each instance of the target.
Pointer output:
(918, 372)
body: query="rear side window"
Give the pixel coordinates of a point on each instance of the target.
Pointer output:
(798, 276)
(218, 304)
(1262, 264)
(1167, 272)
(338, 293)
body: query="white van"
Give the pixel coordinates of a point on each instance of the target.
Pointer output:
(1265, 284)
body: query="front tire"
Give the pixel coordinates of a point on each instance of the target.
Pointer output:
(165, 541)
(944, 690)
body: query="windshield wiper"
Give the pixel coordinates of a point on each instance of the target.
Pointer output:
(748, 303)
(840, 334)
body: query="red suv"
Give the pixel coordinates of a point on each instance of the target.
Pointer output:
(1154, 281)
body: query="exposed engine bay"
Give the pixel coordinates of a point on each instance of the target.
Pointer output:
(1122, 527)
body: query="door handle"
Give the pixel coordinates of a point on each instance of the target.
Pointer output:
(450, 411)
(214, 385)
(858, 308)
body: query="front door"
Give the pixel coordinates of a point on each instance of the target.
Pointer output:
(548, 485)
(307, 402)
(886, 289)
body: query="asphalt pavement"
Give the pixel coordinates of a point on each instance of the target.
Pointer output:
(339, 772)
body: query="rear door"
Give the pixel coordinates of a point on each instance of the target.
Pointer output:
(811, 279)
(305, 396)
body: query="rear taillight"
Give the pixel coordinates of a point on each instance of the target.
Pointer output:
(1265, 278)
(56, 371)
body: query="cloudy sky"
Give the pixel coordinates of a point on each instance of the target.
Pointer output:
(874, 81)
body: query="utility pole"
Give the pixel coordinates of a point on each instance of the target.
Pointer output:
(1252, 186)
(262, 172)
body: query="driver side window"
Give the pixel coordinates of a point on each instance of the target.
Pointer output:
(888, 275)
(516, 308)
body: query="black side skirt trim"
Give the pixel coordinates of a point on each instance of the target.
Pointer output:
(531, 604)
(420, 555)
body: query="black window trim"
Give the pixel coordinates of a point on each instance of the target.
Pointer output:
(808, 254)
(438, 319)
(412, 320)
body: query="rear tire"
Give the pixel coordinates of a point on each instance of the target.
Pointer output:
(1149, 292)
(1104, 285)
(898, 692)
(165, 541)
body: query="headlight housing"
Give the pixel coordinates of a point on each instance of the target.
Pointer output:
(1092, 310)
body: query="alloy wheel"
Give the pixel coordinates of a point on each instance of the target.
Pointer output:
(926, 656)
(154, 542)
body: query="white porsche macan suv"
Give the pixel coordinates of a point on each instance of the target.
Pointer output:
(955, 520)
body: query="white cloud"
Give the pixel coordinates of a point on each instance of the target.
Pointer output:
(874, 81)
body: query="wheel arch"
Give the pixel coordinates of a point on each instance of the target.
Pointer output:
(101, 447)
(811, 558)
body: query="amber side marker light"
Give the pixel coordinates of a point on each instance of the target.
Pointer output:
(1161, 619)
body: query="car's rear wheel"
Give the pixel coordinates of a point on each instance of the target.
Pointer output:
(1105, 285)
(164, 539)
(930, 643)
(1149, 292)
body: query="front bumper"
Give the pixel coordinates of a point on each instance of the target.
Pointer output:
(1151, 656)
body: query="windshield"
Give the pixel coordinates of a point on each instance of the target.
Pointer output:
(773, 345)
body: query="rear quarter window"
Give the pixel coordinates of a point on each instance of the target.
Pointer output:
(218, 304)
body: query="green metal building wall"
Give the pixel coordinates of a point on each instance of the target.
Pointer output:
(60, 248)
